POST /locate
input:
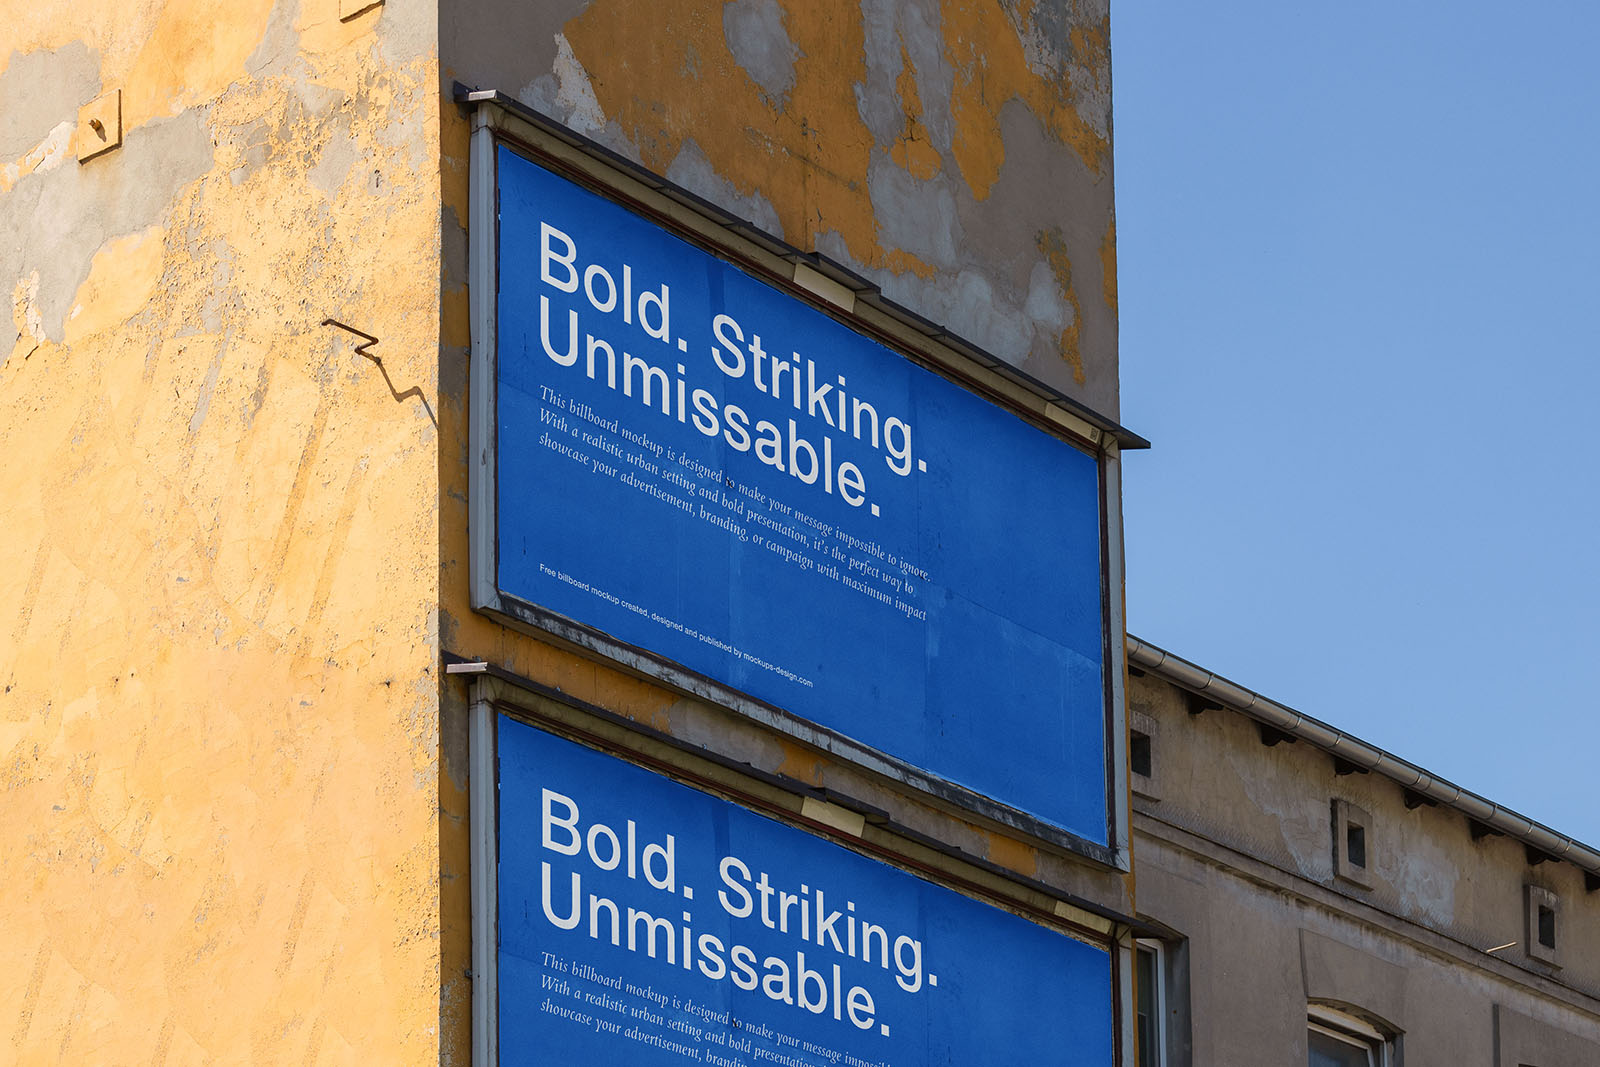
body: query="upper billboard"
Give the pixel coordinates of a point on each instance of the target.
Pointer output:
(694, 463)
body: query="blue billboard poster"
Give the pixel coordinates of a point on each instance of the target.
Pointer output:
(695, 463)
(645, 922)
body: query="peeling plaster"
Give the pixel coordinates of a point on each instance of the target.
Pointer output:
(874, 94)
(1280, 810)
(918, 217)
(567, 94)
(1423, 876)
(42, 89)
(278, 50)
(901, 40)
(48, 154)
(755, 33)
(26, 318)
(59, 218)
(1046, 304)
(924, 144)
(339, 156)
(693, 170)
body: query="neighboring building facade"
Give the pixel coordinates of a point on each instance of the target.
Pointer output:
(1314, 896)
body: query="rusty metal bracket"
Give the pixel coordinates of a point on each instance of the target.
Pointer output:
(361, 349)
(377, 361)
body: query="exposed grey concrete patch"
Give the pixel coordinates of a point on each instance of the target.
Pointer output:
(409, 32)
(308, 106)
(254, 157)
(616, 139)
(875, 99)
(32, 323)
(41, 89)
(487, 44)
(1423, 876)
(1044, 36)
(280, 44)
(331, 169)
(54, 222)
(1047, 305)
(693, 170)
(1045, 186)
(549, 95)
(1046, 49)
(922, 33)
(520, 49)
(964, 301)
(975, 309)
(1273, 791)
(893, 31)
(761, 45)
(540, 94)
(404, 132)
(913, 215)
(1042, 186)
(565, 94)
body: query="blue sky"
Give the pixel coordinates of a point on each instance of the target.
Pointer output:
(1359, 254)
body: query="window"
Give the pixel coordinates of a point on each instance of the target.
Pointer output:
(1355, 845)
(1543, 926)
(1352, 844)
(1150, 1004)
(1142, 734)
(1139, 754)
(1335, 1039)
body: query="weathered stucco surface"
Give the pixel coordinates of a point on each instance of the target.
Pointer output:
(958, 155)
(219, 769)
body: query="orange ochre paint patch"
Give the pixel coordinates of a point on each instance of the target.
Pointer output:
(1054, 248)
(664, 73)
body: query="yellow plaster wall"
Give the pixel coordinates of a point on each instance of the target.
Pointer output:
(219, 750)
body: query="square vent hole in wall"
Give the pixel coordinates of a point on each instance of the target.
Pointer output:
(1543, 925)
(1142, 733)
(1354, 847)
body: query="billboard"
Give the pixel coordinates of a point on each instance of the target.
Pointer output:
(694, 463)
(644, 922)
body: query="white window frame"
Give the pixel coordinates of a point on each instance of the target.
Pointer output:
(1351, 1030)
(1157, 1056)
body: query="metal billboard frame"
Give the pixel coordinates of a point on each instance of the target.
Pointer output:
(849, 300)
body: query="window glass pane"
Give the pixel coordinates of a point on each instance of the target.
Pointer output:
(1330, 1051)
(1148, 1050)
(1355, 846)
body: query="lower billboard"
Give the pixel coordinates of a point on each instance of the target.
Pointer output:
(642, 921)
